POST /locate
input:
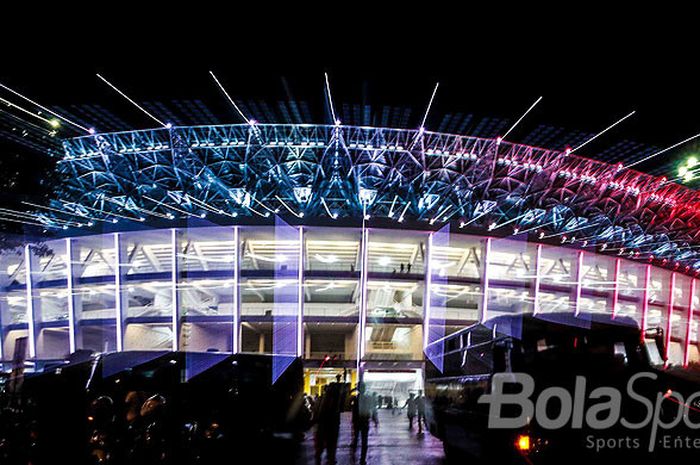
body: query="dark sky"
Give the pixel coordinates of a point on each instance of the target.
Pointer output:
(591, 66)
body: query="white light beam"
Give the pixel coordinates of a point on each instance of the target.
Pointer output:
(53, 124)
(604, 131)
(521, 118)
(133, 102)
(44, 108)
(246, 119)
(663, 151)
(330, 99)
(430, 104)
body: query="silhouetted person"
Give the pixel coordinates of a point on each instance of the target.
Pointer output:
(409, 268)
(132, 425)
(411, 409)
(328, 421)
(101, 429)
(402, 268)
(375, 409)
(363, 408)
(420, 410)
(152, 441)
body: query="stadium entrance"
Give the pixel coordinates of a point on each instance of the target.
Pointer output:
(394, 384)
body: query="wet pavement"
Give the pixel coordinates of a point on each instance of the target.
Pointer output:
(389, 444)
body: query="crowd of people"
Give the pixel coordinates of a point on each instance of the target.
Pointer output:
(337, 397)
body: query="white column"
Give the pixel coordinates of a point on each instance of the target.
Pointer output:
(364, 265)
(686, 350)
(235, 345)
(578, 277)
(669, 314)
(645, 303)
(485, 279)
(536, 285)
(30, 300)
(173, 283)
(300, 291)
(120, 297)
(428, 280)
(72, 327)
(616, 287)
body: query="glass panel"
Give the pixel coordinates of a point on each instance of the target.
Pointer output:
(455, 293)
(393, 342)
(206, 261)
(394, 299)
(270, 288)
(397, 254)
(694, 352)
(332, 249)
(262, 249)
(512, 274)
(679, 322)
(512, 261)
(147, 265)
(558, 280)
(462, 302)
(148, 252)
(94, 292)
(331, 298)
(597, 284)
(658, 286)
(13, 299)
(258, 295)
(12, 270)
(631, 282)
(457, 256)
(50, 299)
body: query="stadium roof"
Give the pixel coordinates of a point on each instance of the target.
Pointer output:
(342, 174)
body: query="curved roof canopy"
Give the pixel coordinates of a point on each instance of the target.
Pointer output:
(344, 174)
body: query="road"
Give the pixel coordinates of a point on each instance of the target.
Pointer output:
(389, 444)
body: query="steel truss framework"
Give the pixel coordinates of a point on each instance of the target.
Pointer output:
(349, 172)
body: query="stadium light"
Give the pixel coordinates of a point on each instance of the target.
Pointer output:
(688, 170)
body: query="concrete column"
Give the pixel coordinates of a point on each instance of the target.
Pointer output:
(261, 343)
(235, 344)
(32, 303)
(174, 248)
(300, 291)
(121, 295)
(485, 279)
(73, 303)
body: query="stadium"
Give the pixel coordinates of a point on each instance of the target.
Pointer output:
(353, 247)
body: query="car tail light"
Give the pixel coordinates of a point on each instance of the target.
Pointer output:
(523, 443)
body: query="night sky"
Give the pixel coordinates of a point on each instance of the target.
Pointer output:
(590, 74)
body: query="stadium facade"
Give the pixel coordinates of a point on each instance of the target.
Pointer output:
(348, 246)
